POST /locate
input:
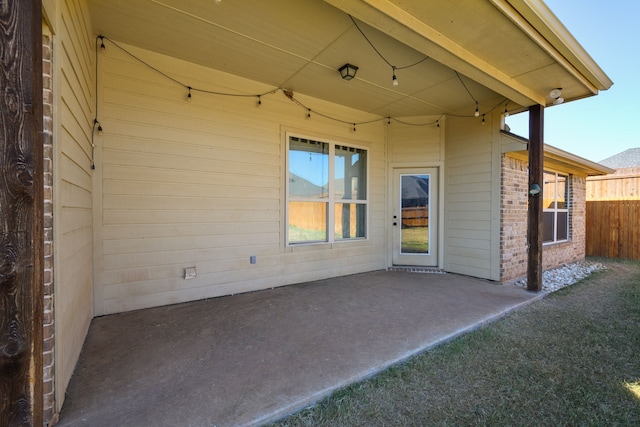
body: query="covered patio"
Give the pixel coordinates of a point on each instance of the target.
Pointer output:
(150, 150)
(252, 358)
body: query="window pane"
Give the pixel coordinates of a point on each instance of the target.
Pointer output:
(549, 191)
(307, 222)
(350, 173)
(548, 219)
(563, 226)
(350, 221)
(562, 192)
(414, 233)
(308, 169)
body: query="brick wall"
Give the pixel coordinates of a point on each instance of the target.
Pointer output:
(513, 219)
(513, 223)
(50, 416)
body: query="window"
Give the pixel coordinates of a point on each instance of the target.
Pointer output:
(555, 216)
(327, 192)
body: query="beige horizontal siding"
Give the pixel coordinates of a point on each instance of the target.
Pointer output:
(73, 73)
(411, 144)
(470, 185)
(201, 184)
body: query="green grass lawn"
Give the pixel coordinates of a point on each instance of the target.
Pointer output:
(571, 359)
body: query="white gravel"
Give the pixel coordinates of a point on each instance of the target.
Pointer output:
(568, 274)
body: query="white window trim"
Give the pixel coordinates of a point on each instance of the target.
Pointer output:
(331, 201)
(555, 210)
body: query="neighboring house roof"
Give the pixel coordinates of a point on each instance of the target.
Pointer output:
(627, 159)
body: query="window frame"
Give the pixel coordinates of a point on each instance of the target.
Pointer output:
(331, 200)
(555, 210)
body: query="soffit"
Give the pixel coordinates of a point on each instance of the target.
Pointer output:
(299, 45)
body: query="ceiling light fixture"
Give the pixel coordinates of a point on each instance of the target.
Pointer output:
(556, 94)
(348, 71)
(394, 79)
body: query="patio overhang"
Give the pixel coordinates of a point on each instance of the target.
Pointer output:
(300, 46)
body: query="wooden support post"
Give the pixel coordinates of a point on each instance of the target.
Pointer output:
(536, 176)
(21, 213)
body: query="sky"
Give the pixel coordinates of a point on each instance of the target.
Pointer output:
(600, 126)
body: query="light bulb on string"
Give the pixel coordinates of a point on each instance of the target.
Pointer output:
(189, 94)
(477, 113)
(506, 112)
(483, 120)
(308, 113)
(103, 48)
(354, 127)
(394, 79)
(259, 101)
(438, 123)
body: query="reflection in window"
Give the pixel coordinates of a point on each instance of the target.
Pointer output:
(555, 217)
(317, 211)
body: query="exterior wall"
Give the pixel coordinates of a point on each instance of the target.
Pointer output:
(513, 227)
(201, 184)
(513, 223)
(472, 203)
(73, 72)
(416, 146)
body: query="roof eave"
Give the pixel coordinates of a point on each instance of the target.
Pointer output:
(555, 156)
(547, 24)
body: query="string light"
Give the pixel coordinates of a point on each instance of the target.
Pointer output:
(483, 120)
(103, 48)
(394, 79)
(506, 112)
(288, 93)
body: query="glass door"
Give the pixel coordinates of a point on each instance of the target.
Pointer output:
(414, 222)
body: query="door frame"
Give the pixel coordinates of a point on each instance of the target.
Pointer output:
(393, 168)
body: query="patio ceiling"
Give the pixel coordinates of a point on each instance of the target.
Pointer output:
(502, 50)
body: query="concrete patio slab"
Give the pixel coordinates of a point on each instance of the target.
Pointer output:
(248, 359)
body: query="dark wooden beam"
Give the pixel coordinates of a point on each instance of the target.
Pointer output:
(21, 213)
(536, 176)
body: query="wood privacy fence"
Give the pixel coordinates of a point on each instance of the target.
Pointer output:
(613, 229)
(613, 215)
